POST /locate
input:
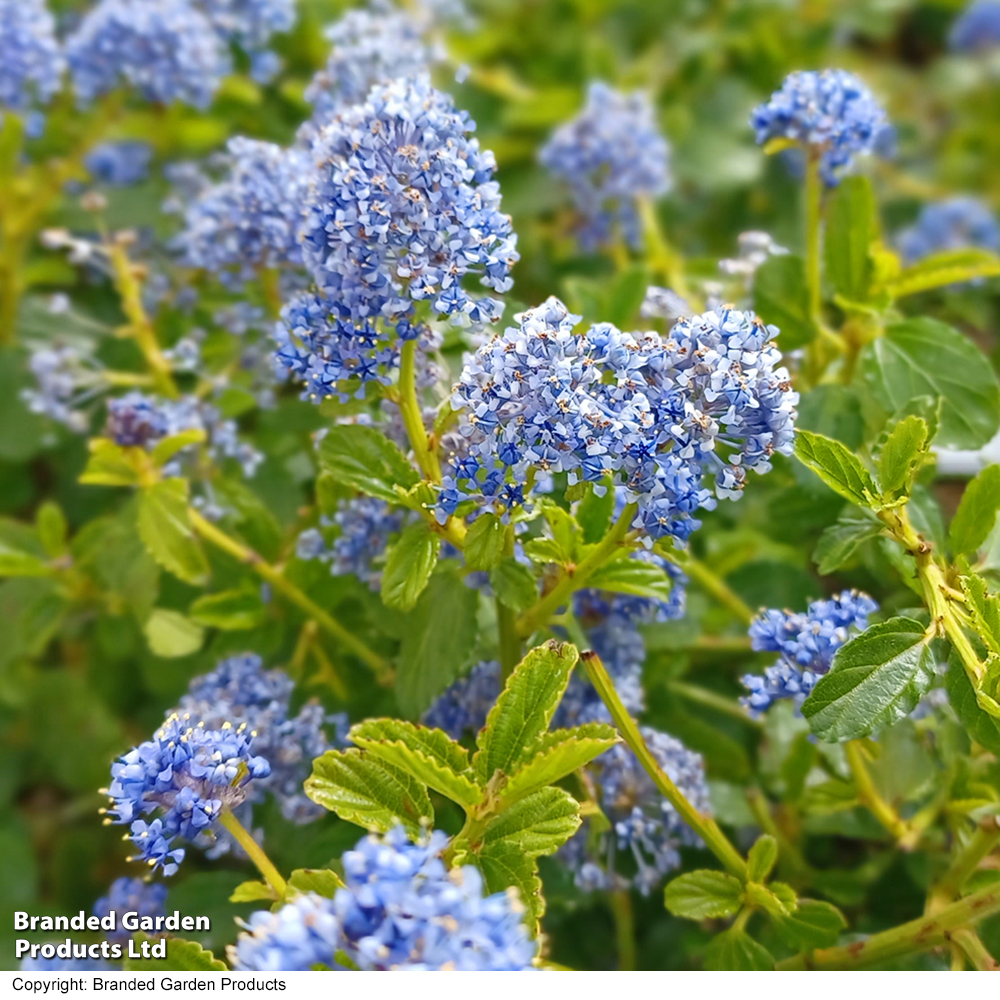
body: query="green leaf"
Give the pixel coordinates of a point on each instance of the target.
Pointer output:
(594, 512)
(430, 755)
(366, 460)
(851, 228)
(109, 465)
(171, 634)
(537, 824)
(524, 709)
(505, 866)
(322, 881)
(761, 858)
(840, 542)
(557, 754)
(781, 297)
(368, 792)
(633, 576)
(814, 924)
(923, 357)
(484, 543)
(703, 894)
(626, 296)
(977, 512)
(514, 585)
(230, 610)
(837, 466)
(985, 609)
(182, 956)
(876, 679)
(981, 726)
(13, 562)
(901, 456)
(165, 529)
(408, 566)
(250, 892)
(950, 267)
(439, 639)
(735, 951)
(764, 899)
(169, 446)
(53, 530)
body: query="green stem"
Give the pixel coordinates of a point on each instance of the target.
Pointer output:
(413, 419)
(715, 701)
(975, 951)
(704, 826)
(911, 938)
(254, 851)
(270, 286)
(508, 639)
(542, 610)
(274, 576)
(979, 846)
(814, 215)
(621, 910)
(789, 855)
(716, 587)
(869, 796)
(660, 253)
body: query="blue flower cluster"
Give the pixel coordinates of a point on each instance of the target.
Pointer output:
(401, 908)
(366, 525)
(462, 709)
(610, 155)
(806, 643)
(250, 219)
(187, 773)
(67, 378)
(131, 895)
(249, 23)
(643, 823)
(658, 414)
(831, 113)
(978, 28)
(120, 164)
(31, 59)
(953, 224)
(240, 691)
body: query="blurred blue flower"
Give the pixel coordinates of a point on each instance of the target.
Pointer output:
(31, 58)
(977, 28)
(131, 895)
(119, 163)
(953, 224)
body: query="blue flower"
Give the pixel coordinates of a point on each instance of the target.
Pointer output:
(167, 50)
(462, 709)
(978, 27)
(31, 59)
(131, 895)
(806, 643)
(119, 163)
(250, 23)
(610, 155)
(831, 113)
(190, 775)
(401, 908)
(953, 224)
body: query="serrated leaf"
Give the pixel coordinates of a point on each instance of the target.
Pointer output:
(814, 924)
(781, 297)
(165, 529)
(430, 755)
(369, 792)
(182, 956)
(950, 267)
(439, 639)
(322, 881)
(633, 576)
(977, 512)
(408, 566)
(366, 460)
(538, 824)
(923, 357)
(250, 892)
(985, 609)
(901, 456)
(840, 542)
(761, 858)
(514, 585)
(505, 866)
(851, 228)
(837, 466)
(524, 709)
(703, 894)
(876, 679)
(762, 898)
(484, 542)
(981, 726)
(557, 754)
(109, 465)
(13, 562)
(171, 634)
(735, 951)
(229, 610)
(544, 550)
(169, 446)
(53, 530)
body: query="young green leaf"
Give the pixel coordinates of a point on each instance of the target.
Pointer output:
(735, 951)
(981, 726)
(171, 634)
(764, 899)
(366, 460)
(594, 512)
(484, 542)
(901, 456)
(761, 858)
(537, 824)
(851, 228)
(977, 512)
(514, 585)
(13, 562)
(368, 792)
(429, 755)
(53, 529)
(633, 576)
(876, 679)
(814, 924)
(166, 449)
(182, 956)
(251, 892)
(985, 609)
(949, 267)
(837, 466)
(703, 894)
(109, 465)
(408, 566)
(165, 528)
(780, 294)
(322, 881)
(524, 709)
(840, 542)
(230, 610)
